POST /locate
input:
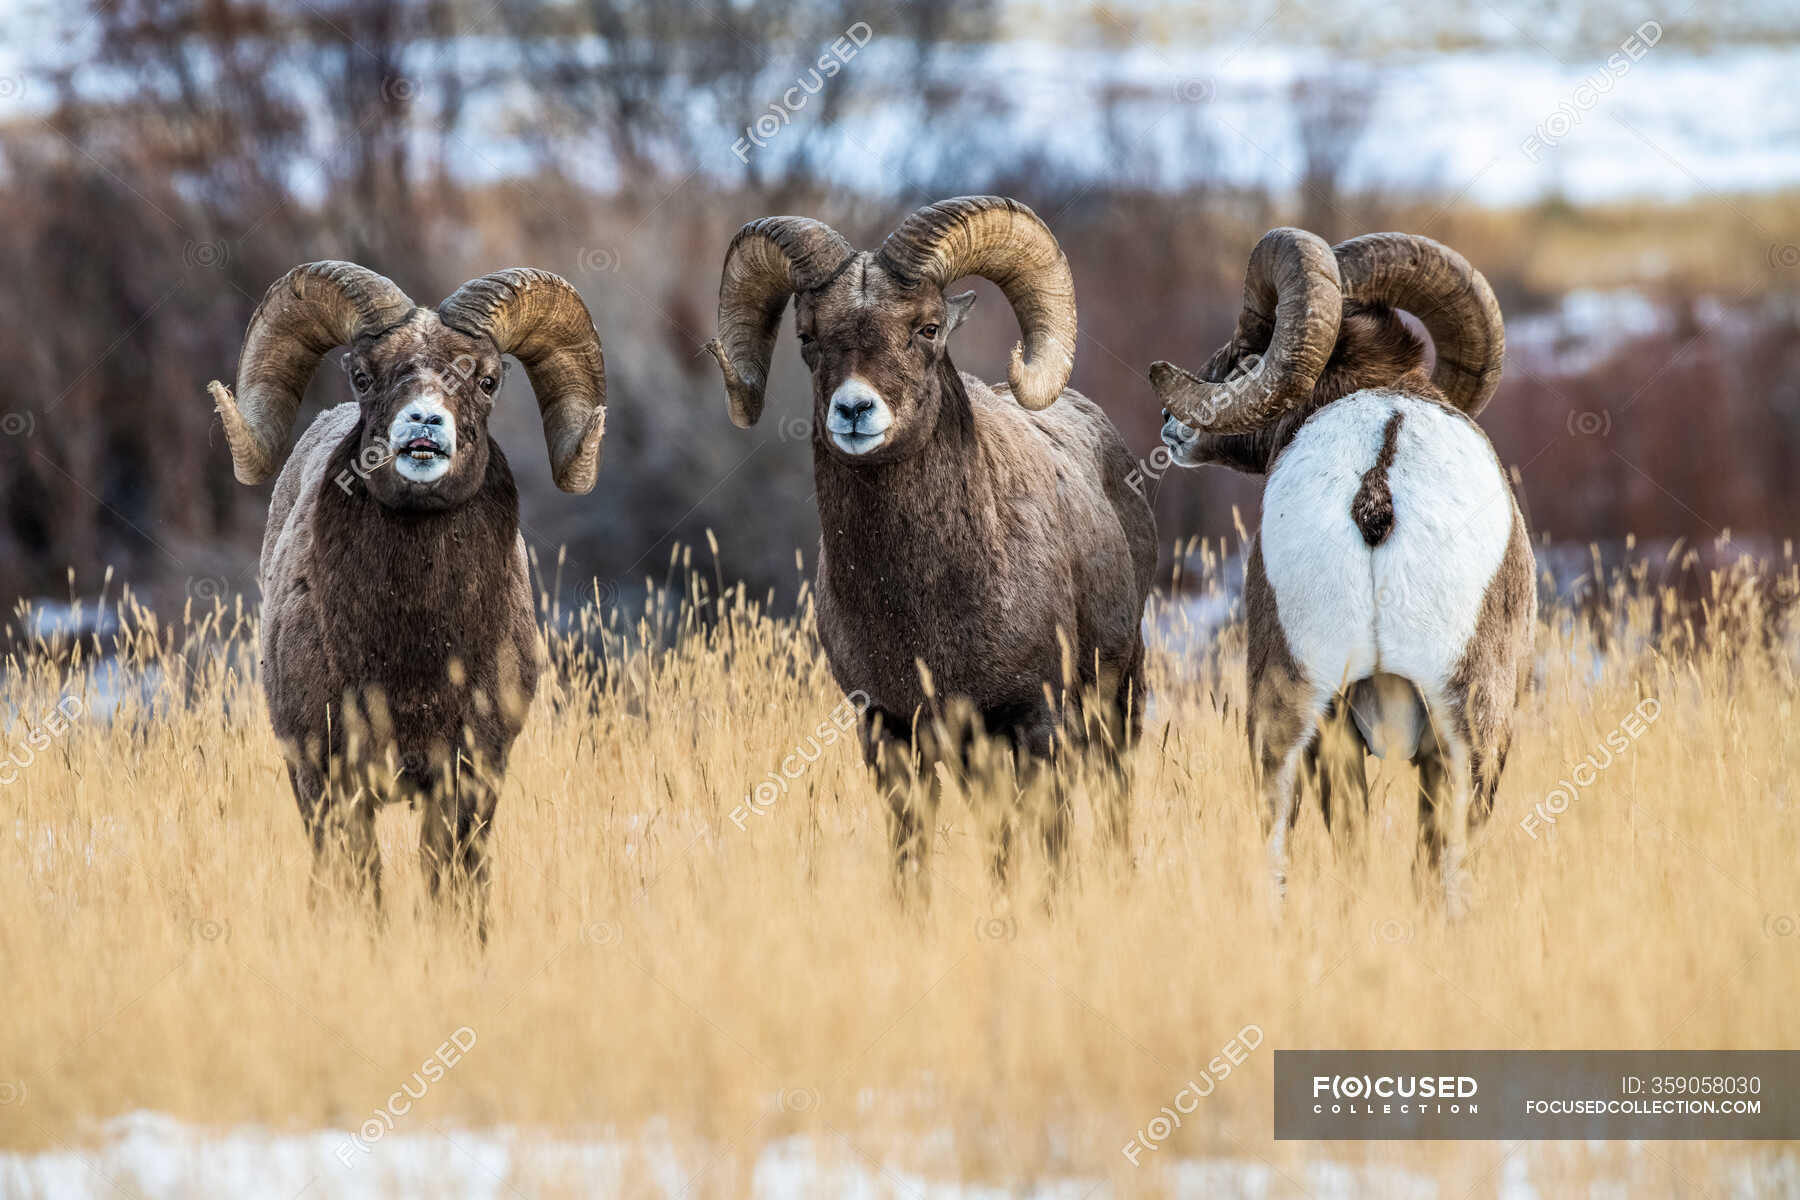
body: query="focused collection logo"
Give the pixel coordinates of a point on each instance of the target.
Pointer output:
(1388, 1095)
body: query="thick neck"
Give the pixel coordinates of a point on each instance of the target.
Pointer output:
(445, 564)
(910, 506)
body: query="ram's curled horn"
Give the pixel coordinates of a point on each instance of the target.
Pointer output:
(1437, 285)
(1003, 241)
(768, 261)
(539, 319)
(305, 314)
(1292, 304)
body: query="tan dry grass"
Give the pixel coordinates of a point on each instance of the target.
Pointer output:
(654, 967)
(1730, 246)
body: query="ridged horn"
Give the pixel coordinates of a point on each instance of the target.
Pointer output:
(540, 319)
(769, 260)
(1437, 285)
(1003, 241)
(305, 314)
(1292, 303)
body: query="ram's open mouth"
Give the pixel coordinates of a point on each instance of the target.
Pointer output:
(422, 450)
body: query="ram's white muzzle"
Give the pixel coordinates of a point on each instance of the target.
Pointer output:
(858, 418)
(423, 439)
(1180, 441)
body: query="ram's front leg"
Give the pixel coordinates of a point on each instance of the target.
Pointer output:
(1043, 789)
(1111, 721)
(339, 813)
(908, 784)
(453, 843)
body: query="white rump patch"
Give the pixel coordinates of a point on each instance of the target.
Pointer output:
(857, 418)
(1407, 607)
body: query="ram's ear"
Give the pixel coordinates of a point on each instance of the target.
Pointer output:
(956, 311)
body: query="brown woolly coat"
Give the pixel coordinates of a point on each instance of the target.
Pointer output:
(421, 619)
(972, 554)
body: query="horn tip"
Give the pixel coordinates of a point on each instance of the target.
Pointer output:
(1174, 386)
(744, 395)
(1032, 386)
(578, 474)
(249, 462)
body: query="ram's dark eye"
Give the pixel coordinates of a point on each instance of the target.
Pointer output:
(806, 339)
(928, 332)
(489, 383)
(360, 380)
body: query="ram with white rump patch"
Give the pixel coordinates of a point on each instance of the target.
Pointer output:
(1392, 575)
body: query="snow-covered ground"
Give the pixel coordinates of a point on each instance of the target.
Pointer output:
(158, 1158)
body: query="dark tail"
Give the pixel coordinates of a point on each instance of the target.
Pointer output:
(1373, 507)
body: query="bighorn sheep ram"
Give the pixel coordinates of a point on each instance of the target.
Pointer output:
(986, 533)
(1392, 572)
(399, 650)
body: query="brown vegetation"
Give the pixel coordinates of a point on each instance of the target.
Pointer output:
(143, 232)
(676, 948)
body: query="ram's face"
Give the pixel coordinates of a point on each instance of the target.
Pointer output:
(425, 391)
(1183, 443)
(874, 345)
(1188, 447)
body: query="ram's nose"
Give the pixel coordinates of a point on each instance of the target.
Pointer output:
(851, 409)
(419, 415)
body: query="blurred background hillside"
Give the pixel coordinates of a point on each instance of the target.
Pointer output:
(1631, 186)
